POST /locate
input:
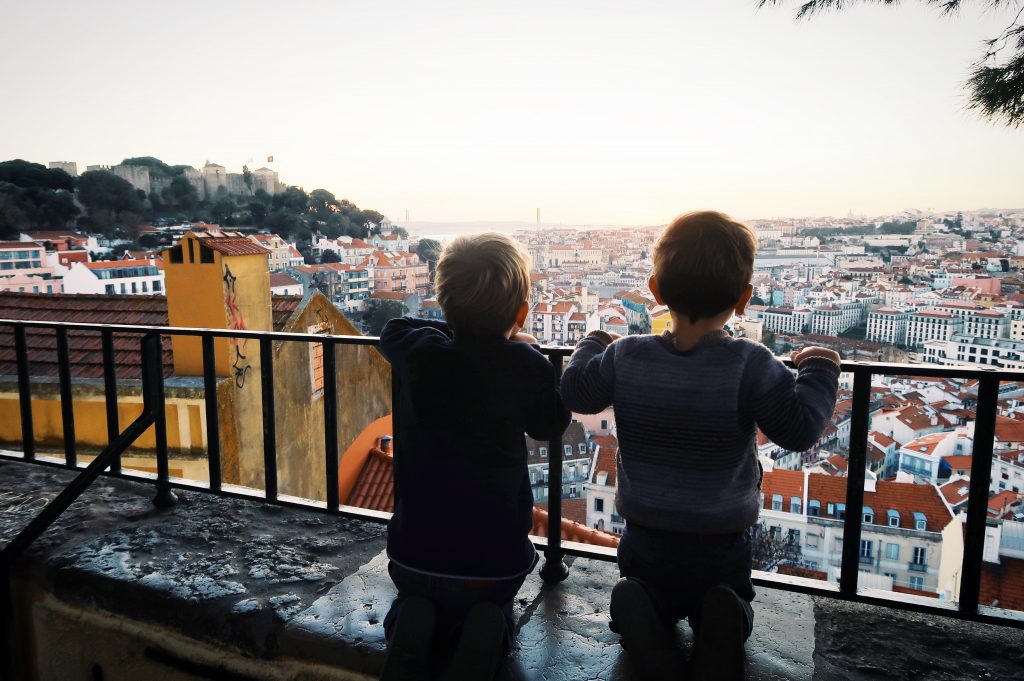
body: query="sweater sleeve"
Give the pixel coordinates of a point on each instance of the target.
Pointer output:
(588, 383)
(792, 412)
(402, 334)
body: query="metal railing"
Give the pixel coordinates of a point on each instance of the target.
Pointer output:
(554, 569)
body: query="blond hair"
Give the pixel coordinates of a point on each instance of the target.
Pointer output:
(482, 281)
(703, 261)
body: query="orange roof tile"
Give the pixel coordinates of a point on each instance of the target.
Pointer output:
(375, 487)
(905, 498)
(785, 483)
(1009, 430)
(572, 531)
(1002, 583)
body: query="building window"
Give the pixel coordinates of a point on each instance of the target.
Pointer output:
(776, 502)
(598, 505)
(812, 541)
(920, 521)
(604, 424)
(865, 549)
(156, 287)
(572, 490)
(840, 511)
(793, 537)
(920, 555)
(892, 551)
(795, 505)
(814, 508)
(567, 449)
(917, 582)
(894, 518)
(869, 515)
(544, 452)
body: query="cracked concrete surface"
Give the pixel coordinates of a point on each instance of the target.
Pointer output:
(285, 586)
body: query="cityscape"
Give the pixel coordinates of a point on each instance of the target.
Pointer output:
(935, 289)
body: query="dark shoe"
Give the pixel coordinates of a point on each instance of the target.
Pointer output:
(719, 653)
(409, 650)
(652, 648)
(481, 645)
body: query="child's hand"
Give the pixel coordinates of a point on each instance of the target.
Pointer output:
(799, 356)
(523, 337)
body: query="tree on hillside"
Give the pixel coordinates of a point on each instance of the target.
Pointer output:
(247, 177)
(996, 83)
(155, 165)
(25, 174)
(180, 194)
(330, 256)
(111, 201)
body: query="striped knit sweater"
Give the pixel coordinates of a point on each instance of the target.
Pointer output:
(686, 422)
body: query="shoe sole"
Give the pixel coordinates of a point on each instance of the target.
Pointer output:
(719, 654)
(480, 647)
(653, 652)
(409, 651)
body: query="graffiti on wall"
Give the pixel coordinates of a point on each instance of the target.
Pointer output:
(236, 321)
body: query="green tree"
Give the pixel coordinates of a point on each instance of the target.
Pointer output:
(25, 174)
(111, 201)
(247, 177)
(996, 83)
(180, 194)
(156, 166)
(330, 256)
(430, 251)
(380, 312)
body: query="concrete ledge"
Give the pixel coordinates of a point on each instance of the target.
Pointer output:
(241, 589)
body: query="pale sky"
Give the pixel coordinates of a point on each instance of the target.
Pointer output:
(625, 112)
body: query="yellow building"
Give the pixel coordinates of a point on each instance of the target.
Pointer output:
(661, 320)
(213, 281)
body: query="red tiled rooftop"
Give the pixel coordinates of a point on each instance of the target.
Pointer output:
(906, 498)
(1009, 430)
(1002, 583)
(375, 487)
(279, 279)
(785, 483)
(85, 349)
(232, 245)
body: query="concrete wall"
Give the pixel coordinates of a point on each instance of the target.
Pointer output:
(363, 383)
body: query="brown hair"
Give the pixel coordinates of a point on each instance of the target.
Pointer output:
(702, 263)
(482, 280)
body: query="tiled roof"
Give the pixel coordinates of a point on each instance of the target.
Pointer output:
(956, 492)
(785, 483)
(574, 509)
(85, 349)
(8, 245)
(572, 436)
(375, 487)
(882, 439)
(1002, 583)
(1009, 430)
(572, 531)
(278, 279)
(233, 245)
(958, 461)
(606, 458)
(906, 498)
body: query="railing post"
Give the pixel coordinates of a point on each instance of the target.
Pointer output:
(212, 416)
(28, 438)
(331, 426)
(555, 569)
(269, 418)
(977, 501)
(67, 404)
(856, 470)
(153, 402)
(110, 394)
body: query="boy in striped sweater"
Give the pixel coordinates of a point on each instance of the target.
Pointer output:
(687, 404)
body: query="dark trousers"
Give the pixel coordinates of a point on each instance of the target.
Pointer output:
(453, 598)
(678, 568)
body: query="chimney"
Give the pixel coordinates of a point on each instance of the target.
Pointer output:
(385, 444)
(217, 282)
(934, 420)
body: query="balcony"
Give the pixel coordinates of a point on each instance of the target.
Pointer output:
(917, 567)
(241, 582)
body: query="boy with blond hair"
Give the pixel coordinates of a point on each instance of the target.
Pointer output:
(687, 404)
(470, 388)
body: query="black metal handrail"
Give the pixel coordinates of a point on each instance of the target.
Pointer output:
(554, 569)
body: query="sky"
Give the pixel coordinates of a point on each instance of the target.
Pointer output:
(595, 112)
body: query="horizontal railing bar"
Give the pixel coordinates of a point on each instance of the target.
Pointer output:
(877, 368)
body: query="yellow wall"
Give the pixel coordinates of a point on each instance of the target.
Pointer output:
(91, 423)
(661, 323)
(198, 295)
